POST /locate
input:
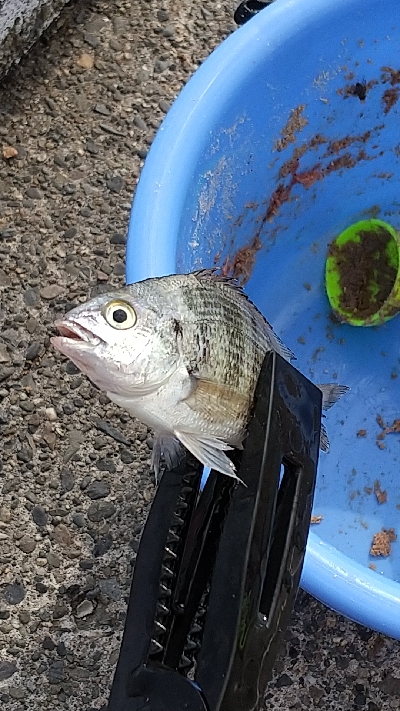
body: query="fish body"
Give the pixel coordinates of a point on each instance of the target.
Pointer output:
(182, 354)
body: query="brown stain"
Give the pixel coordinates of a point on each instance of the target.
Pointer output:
(390, 98)
(294, 124)
(241, 263)
(390, 76)
(381, 495)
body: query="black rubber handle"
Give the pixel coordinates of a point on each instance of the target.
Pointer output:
(248, 9)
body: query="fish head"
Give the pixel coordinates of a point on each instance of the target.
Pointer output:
(122, 344)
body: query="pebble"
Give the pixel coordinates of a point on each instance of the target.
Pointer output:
(34, 194)
(115, 184)
(53, 560)
(51, 291)
(67, 479)
(106, 465)
(7, 670)
(119, 239)
(100, 510)
(84, 609)
(39, 516)
(13, 593)
(164, 105)
(140, 123)
(27, 544)
(31, 297)
(4, 354)
(70, 233)
(51, 414)
(98, 489)
(56, 672)
(33, 350)
(79, 520)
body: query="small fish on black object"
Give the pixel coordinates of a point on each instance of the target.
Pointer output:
(182, 353)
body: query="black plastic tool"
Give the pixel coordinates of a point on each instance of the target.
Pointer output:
(217, 570)
(248, 9)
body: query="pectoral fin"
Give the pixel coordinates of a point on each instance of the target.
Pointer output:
(217, 402)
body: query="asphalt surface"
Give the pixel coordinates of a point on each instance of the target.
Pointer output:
(77, 117)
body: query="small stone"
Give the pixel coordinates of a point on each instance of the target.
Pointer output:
(70, 233)
(51, 414)
(86, 563)
(39, 516)
(162, 15)
(17, 692)
(61, 649)
(86, 61)
(390, 685)
(115, 184)
(140, 123)
(7, 669)
(100, 510)
(53, 560)
(93, 149)
(48, 644)
(56, 672)
(4, 354)
(33, 350)
(283, 680)
(5, 373)
(27, 544)
(41, 588)
(51, 291)
(161, 66)
(25, 454)
(127, 457)
(106, 465)
(30, 297)
(98, 489)
(164, 105)
(102, 546)
(9, 152)
(84, 609)
(118, 238)
(62, 535)
(91, 39)
(60, 611)
(67, 479)
(13, 593)
(79, 520)
(34, 194)
(101, 109)
(142, 153)
(24, 616)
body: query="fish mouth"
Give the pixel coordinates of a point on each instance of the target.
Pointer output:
(79, 335)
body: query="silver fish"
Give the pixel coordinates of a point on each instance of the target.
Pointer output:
(181, 353)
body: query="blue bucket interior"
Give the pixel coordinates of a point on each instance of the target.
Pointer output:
(288, 134)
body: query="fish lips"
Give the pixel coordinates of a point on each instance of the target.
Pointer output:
(73, 338)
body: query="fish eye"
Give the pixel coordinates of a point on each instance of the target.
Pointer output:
(119, 314)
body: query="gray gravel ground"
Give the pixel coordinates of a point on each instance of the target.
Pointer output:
(81, 111)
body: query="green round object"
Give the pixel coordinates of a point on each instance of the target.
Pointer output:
(362, 273)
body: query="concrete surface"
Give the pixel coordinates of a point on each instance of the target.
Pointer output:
(76, 119)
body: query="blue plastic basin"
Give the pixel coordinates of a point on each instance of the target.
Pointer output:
(288, 133)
